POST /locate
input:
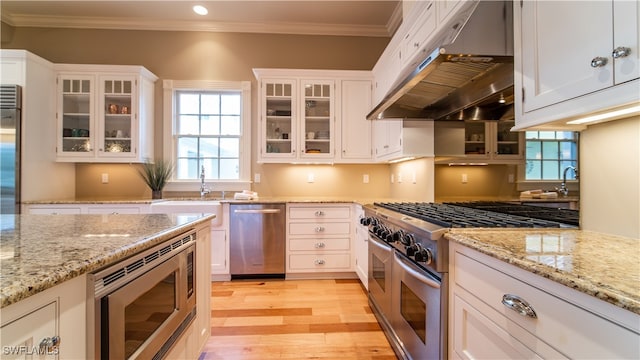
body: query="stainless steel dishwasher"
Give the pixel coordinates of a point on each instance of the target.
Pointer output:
(257, 240)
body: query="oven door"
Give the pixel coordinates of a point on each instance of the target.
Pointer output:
(140, 317)
(416, 310)
(379, 279)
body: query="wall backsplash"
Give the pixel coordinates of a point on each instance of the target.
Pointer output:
(482, 182)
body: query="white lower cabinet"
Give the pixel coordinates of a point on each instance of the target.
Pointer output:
(361, 247)
(80, 208)
(319, 238)
(557, 322)
(28, 328)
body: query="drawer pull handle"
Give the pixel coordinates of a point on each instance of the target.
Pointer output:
(49, 344)
(319, 262)
(319, 229)
(319, 245)
(319, 213)
(518, 305)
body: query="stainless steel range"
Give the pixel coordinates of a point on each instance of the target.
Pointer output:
(408, 268)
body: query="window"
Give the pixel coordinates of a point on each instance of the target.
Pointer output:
(208, 124)
(208, 134)
(548, 153)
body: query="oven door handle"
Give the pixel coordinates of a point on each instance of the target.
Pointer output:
(422, 277)
(376, 242)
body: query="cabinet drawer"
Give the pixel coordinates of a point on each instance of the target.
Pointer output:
(319, 244)
(319, 229)
(320, 262)
(113, 210)
(329, 212)
(54, 211)
(571, 330)
(29, 330)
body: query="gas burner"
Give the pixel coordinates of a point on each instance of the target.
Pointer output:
(457, 215)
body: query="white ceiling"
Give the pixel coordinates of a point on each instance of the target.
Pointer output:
(314, 17)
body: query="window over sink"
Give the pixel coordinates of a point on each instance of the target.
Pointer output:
(208, 123)
(548, 153)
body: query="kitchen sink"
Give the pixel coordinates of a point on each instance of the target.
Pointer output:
(189, 206)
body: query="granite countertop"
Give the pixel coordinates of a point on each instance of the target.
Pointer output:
(571, 257)
(38, 252)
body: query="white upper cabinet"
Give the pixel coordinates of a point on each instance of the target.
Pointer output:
(105, 113)
(314, 116)
(572, 65)
(356, 129)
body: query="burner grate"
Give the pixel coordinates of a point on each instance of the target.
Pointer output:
(455, 216)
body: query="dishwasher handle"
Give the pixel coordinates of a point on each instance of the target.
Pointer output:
(257, 211)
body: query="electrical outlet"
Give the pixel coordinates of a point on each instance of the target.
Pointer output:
(365, 178)
(399, 177)
(413, 177)
(393, 178)
(105, 178)
(256, 178)
(511, 178)
(311, 177)
(464, 178)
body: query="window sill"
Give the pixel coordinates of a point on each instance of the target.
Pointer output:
(221, 185)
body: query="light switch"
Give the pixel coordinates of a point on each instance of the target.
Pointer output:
(365, 178)
(105, 178)
(311, 177)
(464, 178)
(413, 177)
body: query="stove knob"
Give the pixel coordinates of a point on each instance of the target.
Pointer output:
(407, 239)
(413, 249)
(365, 221)
(393, 236)
(424, 255)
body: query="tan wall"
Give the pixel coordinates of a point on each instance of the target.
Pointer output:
(610, 177)
(483, 182)
(413, 180)
(207, 56)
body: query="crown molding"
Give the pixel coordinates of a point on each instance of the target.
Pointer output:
(107, 23)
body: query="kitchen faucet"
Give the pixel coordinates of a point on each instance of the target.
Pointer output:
(563, 187)
(204, 190)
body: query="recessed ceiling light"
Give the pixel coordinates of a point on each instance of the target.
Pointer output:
(200, 10)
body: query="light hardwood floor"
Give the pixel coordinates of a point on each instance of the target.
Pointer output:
(293, 319)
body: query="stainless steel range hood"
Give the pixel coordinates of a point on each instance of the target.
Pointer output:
(472, 61)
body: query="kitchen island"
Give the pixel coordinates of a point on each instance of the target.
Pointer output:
(550, 293)
(45, 261)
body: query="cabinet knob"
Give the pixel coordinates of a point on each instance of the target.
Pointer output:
(319, 213)
(518, 305)
(49, 344)
(319, 245)
(598, 61)
(620, 52)
(319, 229)
(319, 262)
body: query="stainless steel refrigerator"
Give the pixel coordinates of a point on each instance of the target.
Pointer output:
(10, 105)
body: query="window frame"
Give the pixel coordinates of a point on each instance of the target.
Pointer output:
(525, 184)
(170, 87)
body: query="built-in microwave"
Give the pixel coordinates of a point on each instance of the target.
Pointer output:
(141, 306)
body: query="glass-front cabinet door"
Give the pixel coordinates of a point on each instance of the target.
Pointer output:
(116, 116)
(475, 139)
(76, 124)
(279, 129)
(492, 140)
(317, 130)
(509, 144)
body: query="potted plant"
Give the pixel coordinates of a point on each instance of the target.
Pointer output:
(156, 175)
